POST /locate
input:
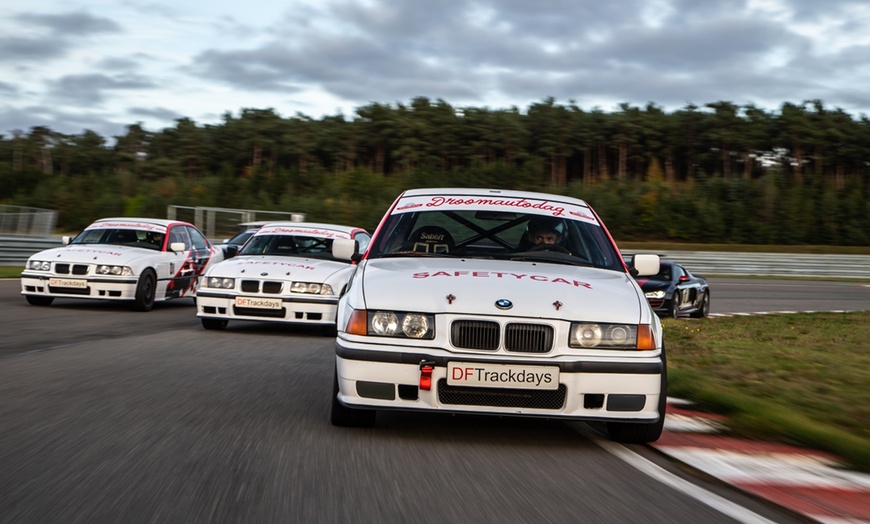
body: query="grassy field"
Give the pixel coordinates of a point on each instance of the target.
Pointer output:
(799, 378)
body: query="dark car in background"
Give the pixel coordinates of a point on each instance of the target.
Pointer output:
(675, 291)
(231, 246)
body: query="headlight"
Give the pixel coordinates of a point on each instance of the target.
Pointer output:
(609, 336)
(104, 269)
(396, 324)
(38, 265)
(655, 294)
(221, 282)
(311, 288)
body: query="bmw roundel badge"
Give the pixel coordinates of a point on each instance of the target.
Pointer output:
(504, 303)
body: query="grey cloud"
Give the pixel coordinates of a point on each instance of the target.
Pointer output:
(24, 49)
(158, 113)
(90, 88)
(74, 23)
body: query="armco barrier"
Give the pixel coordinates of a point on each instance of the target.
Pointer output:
(14, 251)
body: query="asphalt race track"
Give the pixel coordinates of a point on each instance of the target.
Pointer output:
(108, 415)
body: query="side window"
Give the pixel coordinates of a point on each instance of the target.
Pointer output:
(179, 234)
(199, 241)
(678, 272)
(363, 239)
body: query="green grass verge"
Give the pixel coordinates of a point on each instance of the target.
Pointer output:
(11, 271)
(800, 379)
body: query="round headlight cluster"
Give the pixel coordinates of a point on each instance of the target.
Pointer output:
(222, 283)
(311, 288)
(38, 265)
(391, 324)
(610, 336)
(110, 270)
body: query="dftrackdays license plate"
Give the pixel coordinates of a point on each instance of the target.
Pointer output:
(261, 303)
(475, 374)
(68, 282)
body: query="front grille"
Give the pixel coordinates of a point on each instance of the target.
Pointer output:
(271, 287)
(80, 269)
(251, 286)
(474, 334)
(528, 338)
(61, 269)
(501, 397)
(258, 312)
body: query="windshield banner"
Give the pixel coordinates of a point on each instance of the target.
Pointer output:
(504, 204)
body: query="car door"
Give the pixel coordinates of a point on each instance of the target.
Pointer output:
(184, 277)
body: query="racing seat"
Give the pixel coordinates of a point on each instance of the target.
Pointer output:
(123, 236)
(431, 239)
(283, 245)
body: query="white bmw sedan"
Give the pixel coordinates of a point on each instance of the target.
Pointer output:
(284, 273)
(138, 260)
(499, 302)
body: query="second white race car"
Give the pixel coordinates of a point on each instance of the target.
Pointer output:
(284, 273)
(138, 260)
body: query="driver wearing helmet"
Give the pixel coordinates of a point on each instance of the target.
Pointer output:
(542, 231)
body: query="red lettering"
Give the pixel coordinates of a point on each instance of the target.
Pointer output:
(539, 278)
(517, 276)
(561, 281)
(480, 274)
(468, 372)
(421, 275)
(577, 283)
(457, 376)
(441, 274)
(460, 273)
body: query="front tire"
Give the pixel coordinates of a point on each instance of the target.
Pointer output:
(214, 323)
(639, 433)
(674, 306)
(341, 415)
(36, 300)
(146, 290)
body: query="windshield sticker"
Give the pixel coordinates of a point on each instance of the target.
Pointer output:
(507, 204)
(128, 225)
(281, 230)
(503, 274)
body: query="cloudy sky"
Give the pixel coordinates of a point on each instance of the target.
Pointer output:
(102, 65)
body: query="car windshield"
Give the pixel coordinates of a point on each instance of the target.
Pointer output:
(121, 237)
(495, 235)
(289, 246)
(240, 239)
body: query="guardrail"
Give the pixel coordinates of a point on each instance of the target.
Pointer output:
(15, 250)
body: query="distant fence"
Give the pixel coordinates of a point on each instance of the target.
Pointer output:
(15, 250)
(27, 221)
(217, 222)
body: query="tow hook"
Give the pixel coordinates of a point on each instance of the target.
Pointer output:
(426, 367)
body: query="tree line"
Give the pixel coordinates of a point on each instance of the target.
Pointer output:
(721, 173)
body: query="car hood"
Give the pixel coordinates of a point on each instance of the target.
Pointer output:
(96, 254)
(474, 286)
(281, 267)
(652, 285)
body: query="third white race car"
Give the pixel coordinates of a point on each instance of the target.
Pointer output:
(284, 273)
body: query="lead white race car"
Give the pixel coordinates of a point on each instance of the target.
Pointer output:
(139, 260)
(499, 302)
(285, 272)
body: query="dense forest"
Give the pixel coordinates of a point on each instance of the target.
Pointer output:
(720, 173)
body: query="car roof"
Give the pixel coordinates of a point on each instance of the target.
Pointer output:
(492, 193)
(350, 230)
(155, 221)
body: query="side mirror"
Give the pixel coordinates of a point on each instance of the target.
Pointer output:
(346, 249)
(66, 239)
(178, 247)
(231, 251)
(645, 265)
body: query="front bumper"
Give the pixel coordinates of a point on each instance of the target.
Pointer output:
(385, 377)
(293, 309)
(121, 288)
